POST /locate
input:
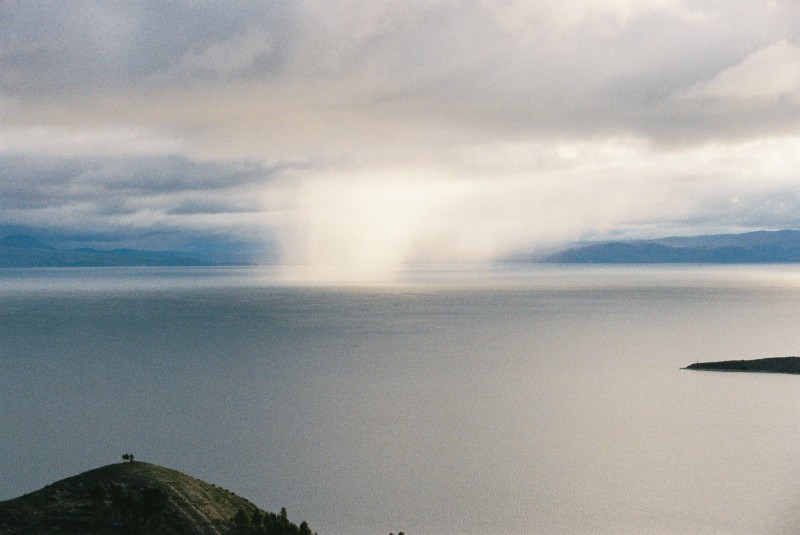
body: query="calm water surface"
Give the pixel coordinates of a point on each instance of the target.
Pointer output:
(547, 400)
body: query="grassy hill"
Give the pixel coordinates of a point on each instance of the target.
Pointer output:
(139, 498)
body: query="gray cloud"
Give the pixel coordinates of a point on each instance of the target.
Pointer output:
(491, 68)
(144, 192)
(440, 129)
(53, 47)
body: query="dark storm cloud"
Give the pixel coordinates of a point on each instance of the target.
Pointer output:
(126, 174)
(108, 188)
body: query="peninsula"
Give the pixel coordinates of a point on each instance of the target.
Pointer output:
(767, 365)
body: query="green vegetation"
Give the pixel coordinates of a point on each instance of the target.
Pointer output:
(261, 523)
(136, 498)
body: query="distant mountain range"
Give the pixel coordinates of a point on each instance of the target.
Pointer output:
(29, 246)
(19, 250)
(761, 247)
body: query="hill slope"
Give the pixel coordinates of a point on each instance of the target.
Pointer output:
(762, 247)
(138, 498)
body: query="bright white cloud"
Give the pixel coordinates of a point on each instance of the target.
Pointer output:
(234, 54)
(490, 201)
(607, 17)
(362, 224)
(770, 72)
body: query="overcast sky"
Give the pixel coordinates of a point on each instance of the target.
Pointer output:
(367, 134)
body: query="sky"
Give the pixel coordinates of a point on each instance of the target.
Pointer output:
(360, 136)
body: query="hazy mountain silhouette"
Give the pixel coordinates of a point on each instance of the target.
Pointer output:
(19, 250)
(761, 247)
(25, 246)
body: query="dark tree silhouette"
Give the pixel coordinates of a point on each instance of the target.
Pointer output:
(263, 523)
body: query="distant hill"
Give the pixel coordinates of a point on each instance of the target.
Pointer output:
(790, 365)
(139, 498)
(21, 241)
(761, 247)
(25, 251)
(189, 247)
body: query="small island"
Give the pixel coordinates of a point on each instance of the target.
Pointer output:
(789, 365)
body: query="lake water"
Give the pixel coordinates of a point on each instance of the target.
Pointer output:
(541, 400)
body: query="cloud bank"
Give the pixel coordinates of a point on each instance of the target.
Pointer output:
(360, 136)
